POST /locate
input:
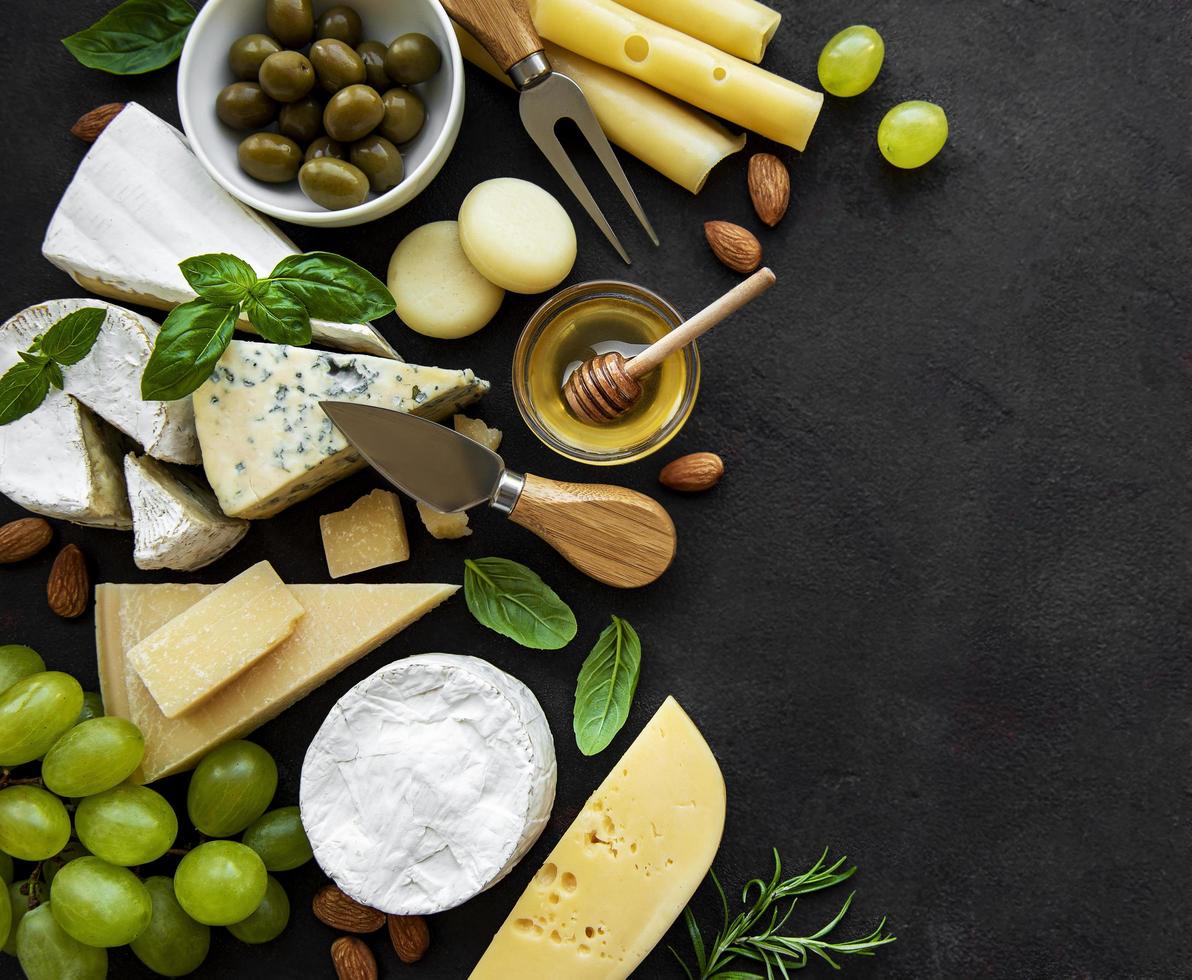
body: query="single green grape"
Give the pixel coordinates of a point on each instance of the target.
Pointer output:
(279, 838)
(850, 61)
(18, 899)
(48, 952)
(230, 788)
(34, 825)
(34, 712)
(94, 755)
(100, 904)
(51, 866)
(5, 914)
(17, 662)
(220, 882)
(912, 133)
(5, 870)
(270, 918)
(92, 706)
(173, 944)
(127, 825)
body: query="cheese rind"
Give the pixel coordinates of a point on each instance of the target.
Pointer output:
(342, 624)
(192, 656)
(369, 534)
(740, 27)
(625, 868)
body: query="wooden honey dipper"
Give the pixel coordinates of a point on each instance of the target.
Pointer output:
(604, 388)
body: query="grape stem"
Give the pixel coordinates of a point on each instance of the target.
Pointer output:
(32, 886)
(7, 780)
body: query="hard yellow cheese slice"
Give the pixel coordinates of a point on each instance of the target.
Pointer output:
(624, 869)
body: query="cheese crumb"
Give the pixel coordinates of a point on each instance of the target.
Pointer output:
(477, 431)
(444, 526)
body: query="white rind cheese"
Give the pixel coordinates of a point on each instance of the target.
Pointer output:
(427, 783)
(141, 202)
(176, 521)
(266, 442)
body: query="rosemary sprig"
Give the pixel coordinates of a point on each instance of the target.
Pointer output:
(756, 933)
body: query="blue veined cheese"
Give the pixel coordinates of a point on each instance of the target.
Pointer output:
(266, 443)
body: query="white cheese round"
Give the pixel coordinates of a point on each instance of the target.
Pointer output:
(427, 783)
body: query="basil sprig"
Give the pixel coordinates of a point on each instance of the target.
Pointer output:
(510, 599)
(280, 307)
(24, 386)
(606, 685)
(136, 37)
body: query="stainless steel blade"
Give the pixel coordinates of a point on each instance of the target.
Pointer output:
(430, 462)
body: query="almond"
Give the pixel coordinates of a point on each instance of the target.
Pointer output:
(735, 246)
(333, 908)
(92, 123)
(352, 959)
(769, 187)
(410, 937)
(23, 539)
(692, 473)
(69, 587)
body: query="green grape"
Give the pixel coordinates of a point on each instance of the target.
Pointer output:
(34, 825)
(94, 755)
(49, 952)
(912, 133)
(18, 899)
(270, 918)
(34, 712)
(173, 944)
(100, 904)
(16, 663)
(5, 870)
(851, 60)
(5, 914)
(127, 825)
(220, 882)
(51, 866)
(230, 788)
(280, 840)
(92, 706)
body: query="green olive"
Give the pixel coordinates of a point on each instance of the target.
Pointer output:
(341, 23)
(269, 157)
(301, 120)
(333, 184)
(411, 59)
(247, 53)
(372, 53)
(404, 115)
(287, 76)
(380, 161)
(244, 105)
(353, 113)
(290, 21)
(325, 146)
(336, 64)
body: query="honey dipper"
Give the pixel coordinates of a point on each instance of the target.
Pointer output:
(602, 389)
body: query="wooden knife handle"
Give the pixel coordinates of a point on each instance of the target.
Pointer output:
(617, 536)
(503, 27)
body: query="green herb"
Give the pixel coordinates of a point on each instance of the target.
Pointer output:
(757, 935)
(136, 37)
(280, 307)
(606, 685)
(24, 386)
(511, 600)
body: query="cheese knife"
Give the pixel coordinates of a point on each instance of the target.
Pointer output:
(615, 535)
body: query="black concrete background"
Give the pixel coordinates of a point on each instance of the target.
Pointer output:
(937, 614)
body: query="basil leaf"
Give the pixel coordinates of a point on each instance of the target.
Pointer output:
(511, 600)
(334, 288)
(606, 685)
(219, 277)
(22, 388)
(136, 37)
(278, 314)
(34, 357)
(54, 374)
(70, 339)
(191, 341)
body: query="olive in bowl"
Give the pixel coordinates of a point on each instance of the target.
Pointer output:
(244, 105)
(380, 161)
(353, 113)
(372, 53)
(302, 120)
(287, 76)
(270, 157)
(412, 58)
(248, 52)
(336, 64)
(333, 183)
(404, 115)
(340, 23)
(325, 146)
(292, 22)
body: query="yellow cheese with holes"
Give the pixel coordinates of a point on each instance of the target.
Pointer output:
(342, 623)
(624, 869)
(369, 534)
(740, 27)
(192, 656)
(683, 66)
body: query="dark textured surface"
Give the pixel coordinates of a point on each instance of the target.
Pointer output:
(937, 613)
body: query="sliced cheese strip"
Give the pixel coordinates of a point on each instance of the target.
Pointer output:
(188, 659)
(740, 27)
(342, 623)
(369, 534)
(625, 868)
(141, 202)
(267, 444)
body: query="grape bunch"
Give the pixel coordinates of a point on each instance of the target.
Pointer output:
(81, 833)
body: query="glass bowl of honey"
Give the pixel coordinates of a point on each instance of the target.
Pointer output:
(584, 321)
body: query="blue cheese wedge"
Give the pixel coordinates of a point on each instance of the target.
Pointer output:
(266, 442)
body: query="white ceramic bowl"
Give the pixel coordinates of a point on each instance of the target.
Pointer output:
(203, 72)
